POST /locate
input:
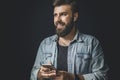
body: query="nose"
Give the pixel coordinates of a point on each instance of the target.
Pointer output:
(58, 18)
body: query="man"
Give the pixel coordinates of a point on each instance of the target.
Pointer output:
(75, 56)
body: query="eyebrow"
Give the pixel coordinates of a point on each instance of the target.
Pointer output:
(61, 12)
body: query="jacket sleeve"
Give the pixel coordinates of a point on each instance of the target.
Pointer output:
(37, 63)
(99, 67)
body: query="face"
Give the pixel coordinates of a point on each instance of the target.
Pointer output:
(63, 20)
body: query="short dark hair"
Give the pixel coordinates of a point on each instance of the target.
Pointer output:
(73, 4)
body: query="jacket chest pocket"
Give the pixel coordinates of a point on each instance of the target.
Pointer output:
(48, 57)
(83, 58)
(82, 62)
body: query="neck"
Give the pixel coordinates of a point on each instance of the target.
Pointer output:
(66, 40)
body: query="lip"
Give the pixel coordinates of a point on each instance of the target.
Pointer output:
(59, 26)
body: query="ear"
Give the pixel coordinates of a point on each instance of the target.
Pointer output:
(75, 16)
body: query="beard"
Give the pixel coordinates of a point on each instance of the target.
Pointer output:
(66, 30)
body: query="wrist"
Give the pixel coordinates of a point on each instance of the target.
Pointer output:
(39, 77)
(71, 76)
(67, 75)
(78, 77)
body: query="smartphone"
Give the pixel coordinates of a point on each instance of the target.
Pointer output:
(48, 66)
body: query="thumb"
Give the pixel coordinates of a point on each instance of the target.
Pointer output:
(49, 63)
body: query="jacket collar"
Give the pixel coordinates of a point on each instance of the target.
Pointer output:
(77, 37)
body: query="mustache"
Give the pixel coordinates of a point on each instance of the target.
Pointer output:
(60, 22)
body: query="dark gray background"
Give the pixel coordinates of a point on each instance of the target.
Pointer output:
(26, 22)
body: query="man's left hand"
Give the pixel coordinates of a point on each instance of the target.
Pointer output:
(63, 75)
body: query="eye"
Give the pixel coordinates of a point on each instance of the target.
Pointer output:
(55, 15)
(63, 14)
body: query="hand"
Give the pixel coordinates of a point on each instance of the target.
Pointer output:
(46, 72)
(62, 75)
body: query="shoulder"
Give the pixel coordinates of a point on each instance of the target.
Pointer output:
(88, 39)
(49, 39)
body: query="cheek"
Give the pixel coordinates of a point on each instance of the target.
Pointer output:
(54, 20)
(66, 20)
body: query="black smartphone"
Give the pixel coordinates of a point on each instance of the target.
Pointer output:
(48, 66)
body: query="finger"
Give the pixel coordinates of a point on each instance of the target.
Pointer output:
(50, 63)
(48, 75)
(57, 78)
(53, 71)
(44, 69)
(60, 73)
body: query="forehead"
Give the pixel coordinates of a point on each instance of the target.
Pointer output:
(62, 8)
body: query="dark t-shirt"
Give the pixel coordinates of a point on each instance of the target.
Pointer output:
(62, 58)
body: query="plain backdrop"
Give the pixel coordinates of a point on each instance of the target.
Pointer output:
(25, 23)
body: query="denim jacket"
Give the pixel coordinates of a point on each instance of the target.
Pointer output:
(85, 57)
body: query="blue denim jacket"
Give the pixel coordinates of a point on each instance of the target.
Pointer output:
(85, 57)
